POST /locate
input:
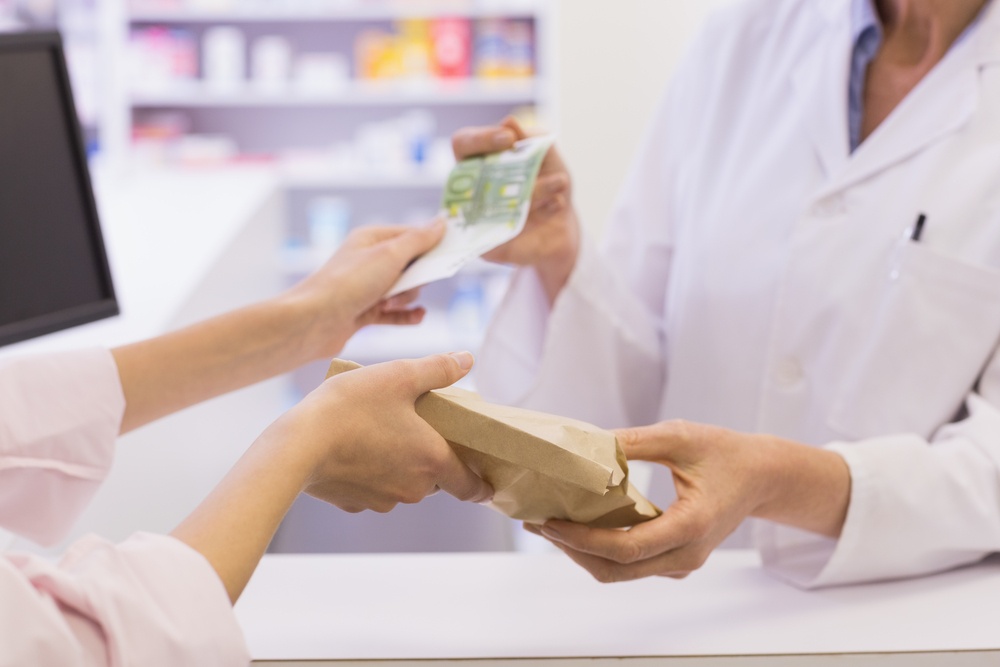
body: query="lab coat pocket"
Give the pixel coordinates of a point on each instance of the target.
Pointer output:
(936, 325)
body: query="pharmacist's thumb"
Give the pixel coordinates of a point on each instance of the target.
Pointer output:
(439, 370)
(646, 443)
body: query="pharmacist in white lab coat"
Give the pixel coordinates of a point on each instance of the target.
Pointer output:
(765, 273)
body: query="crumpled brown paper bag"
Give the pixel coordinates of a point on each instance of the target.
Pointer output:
(540, 466)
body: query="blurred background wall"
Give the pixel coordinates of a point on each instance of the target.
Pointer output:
(614, 60)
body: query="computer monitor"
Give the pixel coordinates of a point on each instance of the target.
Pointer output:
(53, 267)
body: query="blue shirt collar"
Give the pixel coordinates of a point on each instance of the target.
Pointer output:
(864, 16)
(866, 40)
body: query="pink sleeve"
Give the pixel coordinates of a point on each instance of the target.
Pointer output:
(59, 417)
(149, 601)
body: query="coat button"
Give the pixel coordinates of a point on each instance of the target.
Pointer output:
(788, 372)
(829, 206)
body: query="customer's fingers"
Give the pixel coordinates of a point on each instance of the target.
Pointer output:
(419, 376)
(396, 317)
(416, 241)
(400, 301)
(457, 479)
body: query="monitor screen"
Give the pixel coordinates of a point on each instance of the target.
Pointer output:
(53, 267)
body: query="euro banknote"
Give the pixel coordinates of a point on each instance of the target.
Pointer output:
(485, 203)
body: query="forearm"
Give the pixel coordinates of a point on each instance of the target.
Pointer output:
(171, 372)
(234, 525)
(805, 487)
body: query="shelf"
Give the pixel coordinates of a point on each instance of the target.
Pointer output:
(302, 12)
(303, 178)
(355, 93)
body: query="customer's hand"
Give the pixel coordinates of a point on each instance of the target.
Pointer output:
(310, 321)
(551, 237)
(346, 293)
(369, 448)
(356, 442)
(721, 477)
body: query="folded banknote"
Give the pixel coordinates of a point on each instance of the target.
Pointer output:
(485, 204)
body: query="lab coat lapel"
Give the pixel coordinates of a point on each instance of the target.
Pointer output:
(940, 105)
(820, 89)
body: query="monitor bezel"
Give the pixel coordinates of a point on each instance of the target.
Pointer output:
(107, 306)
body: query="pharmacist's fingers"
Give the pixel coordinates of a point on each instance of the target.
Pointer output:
(676, 563)
(470, 141)
(608, 572)
(511, 123)
(660, 442)
(671, 530)
(548, 189)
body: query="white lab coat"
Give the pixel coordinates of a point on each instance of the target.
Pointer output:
(758, 276)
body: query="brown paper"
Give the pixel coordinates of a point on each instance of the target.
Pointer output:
(540, 466)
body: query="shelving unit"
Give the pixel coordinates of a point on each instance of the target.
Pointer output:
(409, 93)
(308, 27)
(328, 148)
(324, 143)
(317, 138)
(342, 10)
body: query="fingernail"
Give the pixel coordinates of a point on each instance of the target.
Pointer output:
(549, 531)
(464, 359)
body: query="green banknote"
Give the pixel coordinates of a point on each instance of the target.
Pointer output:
(486, 203)
(496, 188)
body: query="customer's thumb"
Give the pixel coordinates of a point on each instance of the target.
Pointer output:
(441, 370)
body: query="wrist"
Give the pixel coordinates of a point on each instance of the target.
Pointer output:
(556, 266)
(284, 453)
(805, 487)
(234, 525)
(769, 469)
(304, 322)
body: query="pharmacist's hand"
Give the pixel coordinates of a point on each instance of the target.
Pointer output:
(347, 292)
(721, 479)
(371, 448)
(551, 237)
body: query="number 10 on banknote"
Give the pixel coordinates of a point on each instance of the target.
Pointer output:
(486, 202)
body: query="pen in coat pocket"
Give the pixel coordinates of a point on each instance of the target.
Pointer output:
(918, 228)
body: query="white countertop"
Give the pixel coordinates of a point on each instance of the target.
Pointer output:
(497, 606)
